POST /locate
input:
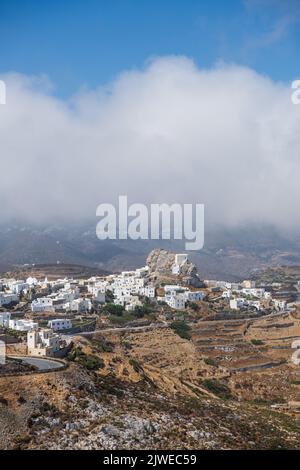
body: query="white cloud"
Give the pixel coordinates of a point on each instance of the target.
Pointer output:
(226, 137)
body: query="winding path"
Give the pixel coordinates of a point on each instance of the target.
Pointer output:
(42, 364)
(153, 326)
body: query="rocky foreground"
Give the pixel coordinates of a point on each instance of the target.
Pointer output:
(138, 391)
(78, 410)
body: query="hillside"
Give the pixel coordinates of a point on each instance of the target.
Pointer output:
(55, 271)
(230, 254)
(149, 390)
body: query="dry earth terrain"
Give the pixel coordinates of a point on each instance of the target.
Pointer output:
(155, 390)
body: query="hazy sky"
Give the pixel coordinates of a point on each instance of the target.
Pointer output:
(168, 105)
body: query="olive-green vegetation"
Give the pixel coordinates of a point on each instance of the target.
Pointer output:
(182, 329)
(217, 387)
(89, 361)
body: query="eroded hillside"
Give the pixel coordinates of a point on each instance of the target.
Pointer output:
(146, 390)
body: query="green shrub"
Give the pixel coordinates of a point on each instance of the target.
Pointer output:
(92, 362)
(135, 365)
(295, 382)
(193, 305)
(102, 345)
(116, 320)
(217, 388)
(113, 309)
(257, 342)
(210, 361)
(142, 310)
(89, 361)
(181, 328)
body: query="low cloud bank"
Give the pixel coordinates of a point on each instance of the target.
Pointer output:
(226, 137)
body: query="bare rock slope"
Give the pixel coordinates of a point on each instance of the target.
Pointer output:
(160, 264)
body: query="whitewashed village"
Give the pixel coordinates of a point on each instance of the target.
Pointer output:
(46, 313)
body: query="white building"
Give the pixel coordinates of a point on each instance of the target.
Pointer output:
(174, 289)
(267, 295)
(119, 300)
(23, 325)
(236, 304)
(280, 304)
(17, 287)
(180, 260)
(32, 281)
(254, 292)
(43, 304)
(148, 291)
(142, 272)
(99, 296)
(7, 298)
(60, 324)
(222, 284)
(4, 319)
(94, 287)
(254, 303)
(248, 284)
(226, 294)
(42, 343)
(175, 301)
(79, 305)
(194, 296)
(98, 291)
(68, 295)
(132, 303)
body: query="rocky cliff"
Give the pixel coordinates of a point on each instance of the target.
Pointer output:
(160, 264)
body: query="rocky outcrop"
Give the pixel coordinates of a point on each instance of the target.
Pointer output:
(160, 264)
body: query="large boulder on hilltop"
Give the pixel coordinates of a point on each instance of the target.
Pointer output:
(160, 264)
(160, 261)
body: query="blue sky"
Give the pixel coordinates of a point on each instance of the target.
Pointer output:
(87, 43)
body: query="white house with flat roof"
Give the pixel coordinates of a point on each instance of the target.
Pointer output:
(32, 281)
(174, 289)
(7, 298)
(43, 304)
(23, 325)
(254, 292)
(60, 324)
(17, 287)
(193, 296)
(148, 291)
(79, 305)
(175, 301)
